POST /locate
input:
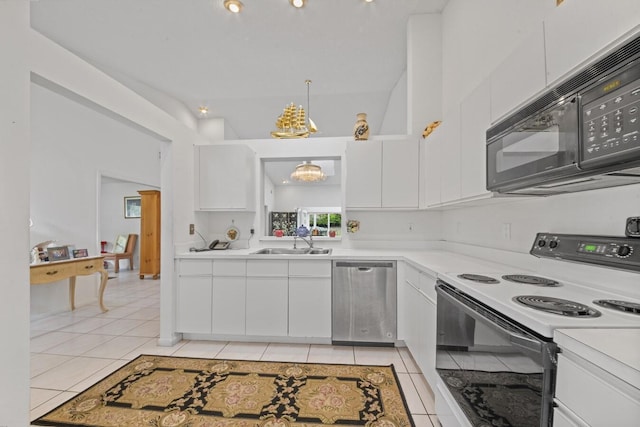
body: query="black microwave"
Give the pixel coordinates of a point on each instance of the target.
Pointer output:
(583, 134)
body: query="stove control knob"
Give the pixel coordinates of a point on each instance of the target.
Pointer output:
(542, 243)
(553, 244)
(624, 251)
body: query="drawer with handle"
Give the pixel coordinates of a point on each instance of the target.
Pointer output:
(50, 273)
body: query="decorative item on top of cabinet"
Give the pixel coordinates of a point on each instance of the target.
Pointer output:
(361, 128)
(430, 128)
(150, 233)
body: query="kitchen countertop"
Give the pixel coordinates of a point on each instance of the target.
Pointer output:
(607, 346)
(431, 261)
(616, 350)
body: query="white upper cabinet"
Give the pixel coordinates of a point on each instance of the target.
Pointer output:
(450, 156)
(400, 176)
(577, 31)
(519, 77)
(432, 159)
(474, 120)
(225, 178)
(382, 174)
(364, 174)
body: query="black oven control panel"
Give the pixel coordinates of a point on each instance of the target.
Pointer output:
(609, 251)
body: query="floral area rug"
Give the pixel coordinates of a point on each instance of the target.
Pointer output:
(505, 399)
(161, 391)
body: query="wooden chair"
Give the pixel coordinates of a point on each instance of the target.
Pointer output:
(128, 252)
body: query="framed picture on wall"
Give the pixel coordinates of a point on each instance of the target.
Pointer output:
(132, 207)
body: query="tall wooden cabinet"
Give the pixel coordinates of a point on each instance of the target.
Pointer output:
(150, 233)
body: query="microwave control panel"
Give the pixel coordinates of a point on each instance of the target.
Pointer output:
(611, 124)
(610, 116)
(616, 252)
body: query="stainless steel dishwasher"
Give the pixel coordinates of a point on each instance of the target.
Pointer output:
(364, 302)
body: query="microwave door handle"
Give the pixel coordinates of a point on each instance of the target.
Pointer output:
(532, 346)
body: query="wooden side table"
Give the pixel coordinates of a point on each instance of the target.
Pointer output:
(70, 268)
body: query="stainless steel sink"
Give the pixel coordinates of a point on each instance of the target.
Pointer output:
(319, 251)
(288, 251)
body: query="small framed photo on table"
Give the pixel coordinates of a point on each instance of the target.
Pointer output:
(80, 253)
(132, 207)
(58, 253)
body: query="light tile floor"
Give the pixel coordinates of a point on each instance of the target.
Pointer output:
(71, 351)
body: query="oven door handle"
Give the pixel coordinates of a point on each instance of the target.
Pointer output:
(531, 345)
(526, 343)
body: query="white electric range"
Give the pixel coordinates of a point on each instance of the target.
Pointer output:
(501, 294)
(489, 342)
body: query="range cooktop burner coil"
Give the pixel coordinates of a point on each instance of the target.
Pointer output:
(557, 306)
(626, 306)
(478, 278)
(530, 280)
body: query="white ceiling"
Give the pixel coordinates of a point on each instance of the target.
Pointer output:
(247, 67)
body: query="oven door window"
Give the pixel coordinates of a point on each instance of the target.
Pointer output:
(543, 145)
(496, 374)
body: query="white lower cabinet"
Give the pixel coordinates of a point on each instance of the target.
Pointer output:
(194, 304)
(267, 306)
(562, 419)
(420, 321)
(592, 395)
(229, 296)
(193, 296)
(310, 307)
(269, 298)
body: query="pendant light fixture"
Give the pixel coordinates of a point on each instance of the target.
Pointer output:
(312, 126)
(308, 172)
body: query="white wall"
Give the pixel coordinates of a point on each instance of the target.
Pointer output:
(290, 197)
(402, 229)
(14, 220)
(71, 145)
(600, 212)
(395, 117)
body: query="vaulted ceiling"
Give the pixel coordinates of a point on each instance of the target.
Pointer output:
(246, 67)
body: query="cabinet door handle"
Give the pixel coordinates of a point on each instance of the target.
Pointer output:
(88, 267)
(51, 273)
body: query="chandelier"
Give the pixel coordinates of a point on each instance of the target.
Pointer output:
(308, 172)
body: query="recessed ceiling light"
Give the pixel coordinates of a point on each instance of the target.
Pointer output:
(368, 1)
(234, 6)
(298, 3)
(203, 110)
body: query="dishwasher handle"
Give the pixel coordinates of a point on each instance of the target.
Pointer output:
(364, 266)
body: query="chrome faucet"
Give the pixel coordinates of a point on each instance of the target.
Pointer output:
(307, 241)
